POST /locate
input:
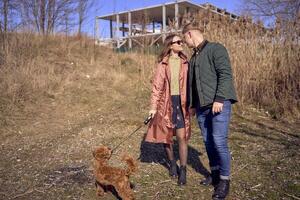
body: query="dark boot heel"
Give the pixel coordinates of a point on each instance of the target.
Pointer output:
(182, 175)
(212, 179)
(173, 168)
(221, 190)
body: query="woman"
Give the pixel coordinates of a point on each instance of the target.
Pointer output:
(169, 107)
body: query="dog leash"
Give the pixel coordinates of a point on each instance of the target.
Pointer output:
(146, 121)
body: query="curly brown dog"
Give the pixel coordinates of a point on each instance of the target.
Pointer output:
(112, 176)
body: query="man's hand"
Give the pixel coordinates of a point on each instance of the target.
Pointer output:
(217, 107)
(192, 111)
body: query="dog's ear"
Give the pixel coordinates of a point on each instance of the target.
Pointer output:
(98, 156)
(98, 153)
(102, 153)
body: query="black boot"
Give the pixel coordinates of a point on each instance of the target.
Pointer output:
(215, 175)
(182, 175)
(212, 179)
(221, 190)
(173, 168)
(207, 181)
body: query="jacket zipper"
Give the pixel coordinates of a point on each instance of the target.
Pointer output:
(200, 94)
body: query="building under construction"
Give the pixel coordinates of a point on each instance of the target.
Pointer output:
(149, 25)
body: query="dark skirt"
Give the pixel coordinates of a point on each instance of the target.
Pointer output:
(177, 115)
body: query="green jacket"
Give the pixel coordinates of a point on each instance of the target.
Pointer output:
(210, 75)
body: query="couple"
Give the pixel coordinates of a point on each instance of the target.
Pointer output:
(204, 87)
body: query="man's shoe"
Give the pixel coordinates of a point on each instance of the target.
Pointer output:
(173, 168)
(212, 179)
(221, 190)
(182, 175)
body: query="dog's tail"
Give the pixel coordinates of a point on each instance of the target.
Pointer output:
(131, 164)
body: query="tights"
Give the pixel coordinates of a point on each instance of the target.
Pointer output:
(180, 134)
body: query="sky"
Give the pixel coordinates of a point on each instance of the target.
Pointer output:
(103, 7)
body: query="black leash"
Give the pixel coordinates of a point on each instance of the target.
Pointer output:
(146, 121)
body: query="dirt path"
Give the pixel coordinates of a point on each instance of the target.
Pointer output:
(46, 149)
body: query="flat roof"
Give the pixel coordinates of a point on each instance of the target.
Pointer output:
(156, 12)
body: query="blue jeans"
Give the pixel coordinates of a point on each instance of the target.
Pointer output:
(214, 128)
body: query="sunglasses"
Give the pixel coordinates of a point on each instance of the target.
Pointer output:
(179, 42)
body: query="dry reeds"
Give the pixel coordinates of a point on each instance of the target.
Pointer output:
(265, 61)
(32, 65)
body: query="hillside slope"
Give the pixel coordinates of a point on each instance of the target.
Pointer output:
(46, 144)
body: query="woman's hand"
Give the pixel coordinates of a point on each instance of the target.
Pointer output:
(152, 113)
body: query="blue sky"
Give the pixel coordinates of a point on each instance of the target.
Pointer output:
(103, 7)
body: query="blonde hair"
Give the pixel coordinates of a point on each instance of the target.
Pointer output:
(192, 26)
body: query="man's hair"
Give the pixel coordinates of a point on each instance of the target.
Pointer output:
(192, 26)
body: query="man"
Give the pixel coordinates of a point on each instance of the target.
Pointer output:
(211, 95)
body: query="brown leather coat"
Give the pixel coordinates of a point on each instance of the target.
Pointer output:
(161, 129)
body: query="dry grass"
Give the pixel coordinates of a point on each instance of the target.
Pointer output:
(34, 69)
(75, 100)
(32, 66)
(265, 62)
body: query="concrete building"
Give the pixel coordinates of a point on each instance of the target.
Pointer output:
(133, 27)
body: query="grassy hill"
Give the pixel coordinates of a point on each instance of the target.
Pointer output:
(60, 98)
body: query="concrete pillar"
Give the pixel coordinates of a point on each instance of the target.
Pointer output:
(96, 30)
(187, 11)
(130, 30)
(123, 29)
(117, 31)
(164, 22)
(111, 29)
(176, 16)
(153, 26)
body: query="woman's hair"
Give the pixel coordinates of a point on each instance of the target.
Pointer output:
(166, 49)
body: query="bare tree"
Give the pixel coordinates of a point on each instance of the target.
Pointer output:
(66, 23)
(5, 7)
(284, 9)
(82, 8)
(8, 15)
(50, 16)
(283, 14)
(42, 17)
(5, 15)
(1, 23)
(46, 15)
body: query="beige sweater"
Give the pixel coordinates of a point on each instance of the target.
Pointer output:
(174, 63)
